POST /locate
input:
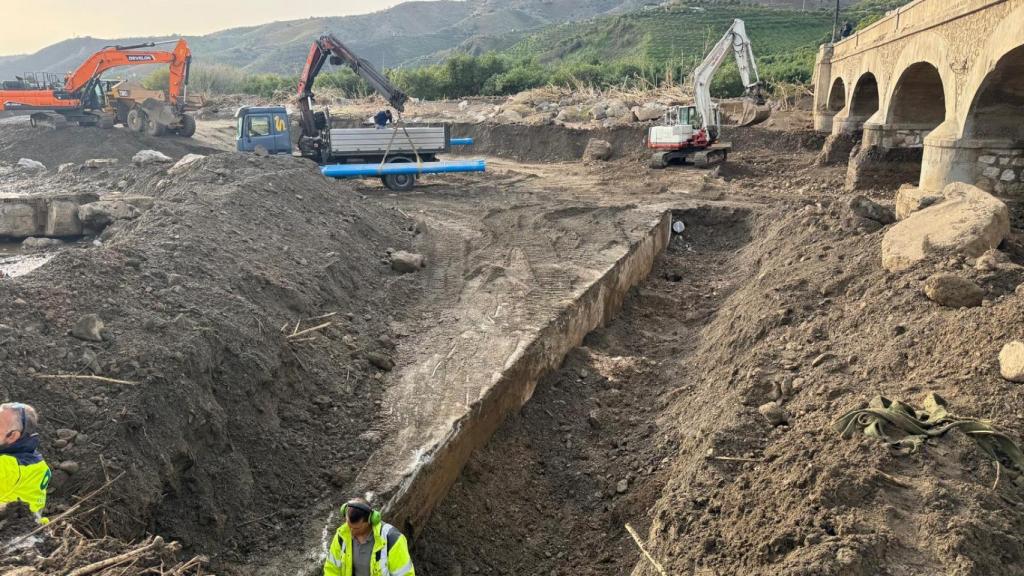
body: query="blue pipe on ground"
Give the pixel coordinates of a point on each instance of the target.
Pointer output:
(353, 170)
(461, 141)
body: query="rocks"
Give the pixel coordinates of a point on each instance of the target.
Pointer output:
(910, 199)
(1011, 361)
(100, 162)
(867, 208)
(969, 222)
(570, 115)
(380, 361)
(407, 262)
(98, 215)
(89, 328)
(185, 161)
(30, 165)
(69, 466)
(144, 157)
(648, 112)
(65, 167)
(594, 418)
(622, 486)
(32, 243)
(774, 413)
(953, 291)
(597, 150)
(992, 260)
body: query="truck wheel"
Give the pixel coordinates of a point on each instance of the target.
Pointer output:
(399, 182)
(188, 126)
(136, 120)
(154, 128)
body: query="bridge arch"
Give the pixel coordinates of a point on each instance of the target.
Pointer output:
(998, 105)
(918, 98)
(996, 77)
(864, 102)
(837, 96)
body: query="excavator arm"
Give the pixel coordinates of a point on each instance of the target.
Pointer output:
(737, 42)
(115, 56)
(328, 47)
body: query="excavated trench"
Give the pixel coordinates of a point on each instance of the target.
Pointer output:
(553, 489)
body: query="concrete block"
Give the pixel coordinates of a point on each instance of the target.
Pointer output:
(17, 220)
(62, 219)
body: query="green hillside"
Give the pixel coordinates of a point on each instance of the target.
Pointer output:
(675, 33)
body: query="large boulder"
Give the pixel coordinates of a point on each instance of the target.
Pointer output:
(143, 157)
(185, 161)
(616, 109)
(31, 165)
(648, 112)
(100, 162)
(969, 222)
(953, 291)
(597, 150)
(98, 215)
(406, 262)
(910, 199)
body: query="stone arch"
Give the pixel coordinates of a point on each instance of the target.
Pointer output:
(997, 109)
(864, 101)
(1005, 40)
(837, 96)
(918, 98)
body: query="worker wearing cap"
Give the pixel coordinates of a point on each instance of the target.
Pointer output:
(365, 545)
(24, 475)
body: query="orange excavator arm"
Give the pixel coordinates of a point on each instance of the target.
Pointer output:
(115, 56)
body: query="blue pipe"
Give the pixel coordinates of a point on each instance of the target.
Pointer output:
(461, 141)
(351, 170)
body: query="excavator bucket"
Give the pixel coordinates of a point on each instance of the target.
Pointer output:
(753, 113)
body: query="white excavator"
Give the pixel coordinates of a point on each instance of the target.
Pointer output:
(689, 134)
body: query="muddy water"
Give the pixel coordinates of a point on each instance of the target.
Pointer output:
(14, 263)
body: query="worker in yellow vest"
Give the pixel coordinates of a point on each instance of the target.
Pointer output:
(24, 475)
(365, 545)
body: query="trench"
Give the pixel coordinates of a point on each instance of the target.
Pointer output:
(552, 490)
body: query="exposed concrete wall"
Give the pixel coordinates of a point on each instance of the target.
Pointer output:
(415, 497)
(49, 215)
(926, 57)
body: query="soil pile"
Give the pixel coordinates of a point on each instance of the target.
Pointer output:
(227, 417)
(78, 143)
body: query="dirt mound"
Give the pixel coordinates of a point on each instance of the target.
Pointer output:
(77, 144)
(225, 417)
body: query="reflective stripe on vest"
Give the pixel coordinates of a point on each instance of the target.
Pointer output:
(385, 529)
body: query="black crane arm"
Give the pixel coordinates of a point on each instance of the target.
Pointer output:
(328, 47)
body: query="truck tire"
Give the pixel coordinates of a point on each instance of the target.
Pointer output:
(399, 182)
(154, 128)
(136, 120)
(188, 126)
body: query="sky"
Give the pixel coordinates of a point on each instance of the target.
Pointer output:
(39, 23)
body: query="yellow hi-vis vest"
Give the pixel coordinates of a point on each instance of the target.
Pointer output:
(390, 553)
(25, 483)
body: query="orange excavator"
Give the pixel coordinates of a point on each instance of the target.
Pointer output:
(84, 97)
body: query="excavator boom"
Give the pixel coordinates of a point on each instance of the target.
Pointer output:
(116, 56)
(736, 42)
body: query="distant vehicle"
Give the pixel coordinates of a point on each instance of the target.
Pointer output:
(84, 97)
(397, 155)
(690, 133)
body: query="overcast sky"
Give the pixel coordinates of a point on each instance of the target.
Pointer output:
(38, 23)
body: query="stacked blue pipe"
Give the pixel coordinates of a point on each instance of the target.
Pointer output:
(461, 141)
(355, 170)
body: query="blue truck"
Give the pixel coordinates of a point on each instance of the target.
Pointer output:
(398, 155)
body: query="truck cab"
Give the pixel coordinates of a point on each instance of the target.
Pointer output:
(265, 127)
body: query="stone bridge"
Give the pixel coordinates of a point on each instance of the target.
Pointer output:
(934, 91)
